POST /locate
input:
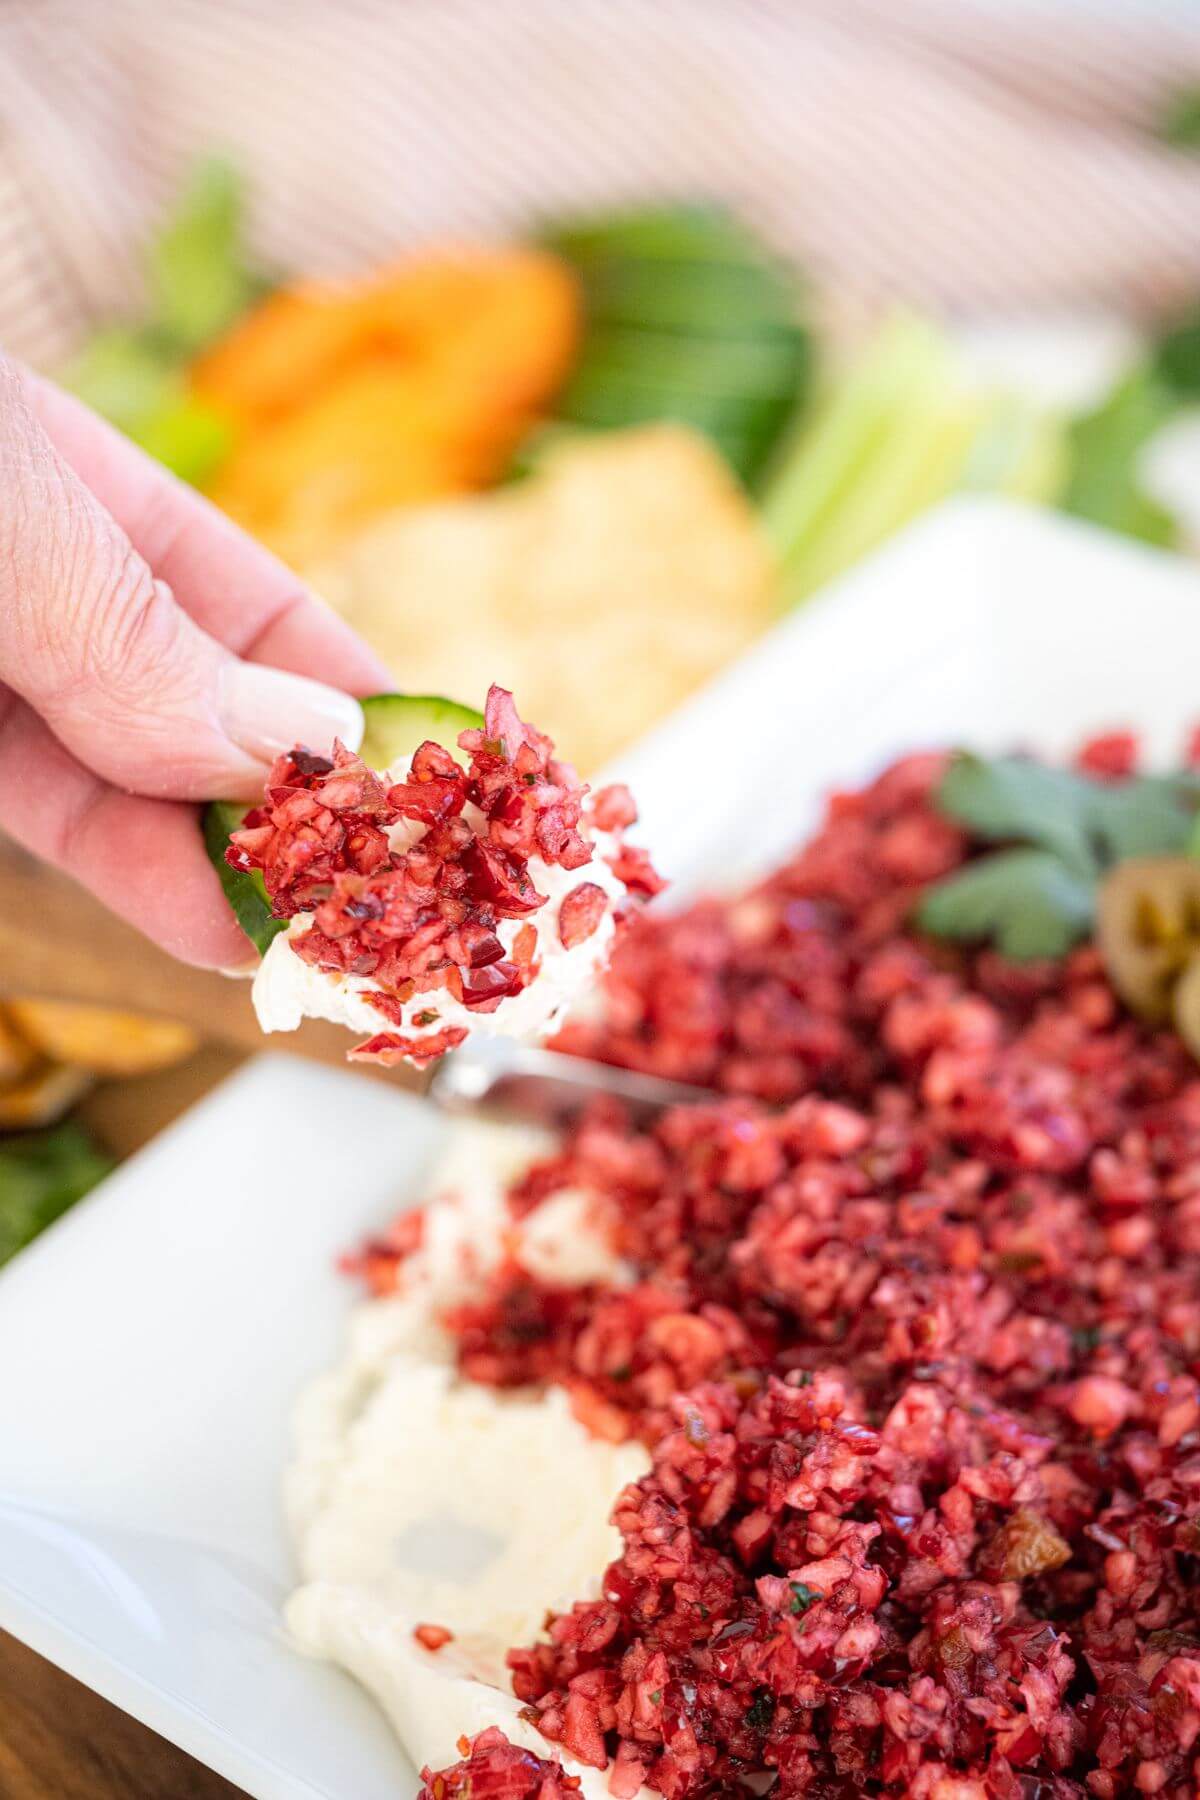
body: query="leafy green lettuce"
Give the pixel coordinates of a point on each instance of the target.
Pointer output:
(42, 1174)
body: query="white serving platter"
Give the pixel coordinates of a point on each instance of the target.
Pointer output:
(151, 1341)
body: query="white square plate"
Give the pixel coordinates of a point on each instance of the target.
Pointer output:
(152, 1340)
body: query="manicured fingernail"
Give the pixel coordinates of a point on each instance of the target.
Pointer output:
(244, 971)
(267, 711)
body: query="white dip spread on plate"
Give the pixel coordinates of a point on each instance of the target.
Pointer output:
(417, 1497)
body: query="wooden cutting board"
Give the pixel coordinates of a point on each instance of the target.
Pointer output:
(56, 942)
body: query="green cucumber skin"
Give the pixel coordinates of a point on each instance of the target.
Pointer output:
(246, 893)
(396, 725)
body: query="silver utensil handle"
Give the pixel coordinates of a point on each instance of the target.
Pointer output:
(516, 1080)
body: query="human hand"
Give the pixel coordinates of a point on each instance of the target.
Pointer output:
(151, 655)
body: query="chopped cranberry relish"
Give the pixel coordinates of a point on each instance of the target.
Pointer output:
(493, 1769)
(425, 918)
(916, 1356)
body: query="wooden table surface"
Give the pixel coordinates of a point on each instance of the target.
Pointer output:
(59, 1741)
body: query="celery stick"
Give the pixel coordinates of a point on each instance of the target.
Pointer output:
(904, 363)
(1020, 450)
(919, 459)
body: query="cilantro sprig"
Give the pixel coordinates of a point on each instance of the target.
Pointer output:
(1062, 832)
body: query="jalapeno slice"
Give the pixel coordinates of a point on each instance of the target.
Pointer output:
(1148, 930)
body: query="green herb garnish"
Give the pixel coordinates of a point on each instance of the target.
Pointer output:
(1037, 897)
(1026, 902)
(761, 1711)
(803, 1596)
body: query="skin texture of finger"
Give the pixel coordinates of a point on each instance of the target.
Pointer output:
(96, 643)
(144, 859)
(233, 588)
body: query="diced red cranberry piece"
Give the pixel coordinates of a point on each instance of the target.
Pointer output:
(485, 987)
(614, 808)
(390, 1048)
(504, 882)
(524, 947)
(635, 869)
(436, 789)
(580, 913)
(491, 1768)
(306, 762)
(486, 948)
(431, 801)
(1112, 756)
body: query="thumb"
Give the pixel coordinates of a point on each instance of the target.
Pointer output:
(121, 674)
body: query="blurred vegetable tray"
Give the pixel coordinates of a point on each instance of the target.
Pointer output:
(612, 452)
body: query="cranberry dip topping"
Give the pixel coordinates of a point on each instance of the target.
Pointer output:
(915, 1349)
(427, 898)
(493, 1769)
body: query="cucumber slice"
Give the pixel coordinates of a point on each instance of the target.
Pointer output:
(396, 726)
(247, 894)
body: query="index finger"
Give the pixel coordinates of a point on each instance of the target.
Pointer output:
(232, 587)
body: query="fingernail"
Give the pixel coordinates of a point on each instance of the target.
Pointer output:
(267, 711)
(244, 971)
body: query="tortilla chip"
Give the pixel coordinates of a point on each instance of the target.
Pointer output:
(623, 573)
(42, 1098)
(99, 1040)
(17, 1054)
